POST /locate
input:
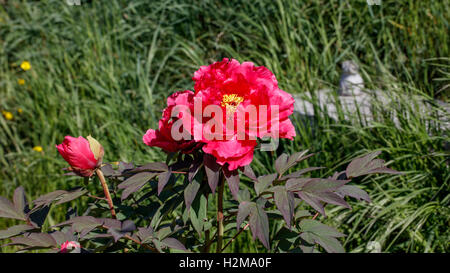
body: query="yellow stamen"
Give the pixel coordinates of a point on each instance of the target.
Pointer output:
(37, 149)
(7, 115)
(231, 102)
(25, 65)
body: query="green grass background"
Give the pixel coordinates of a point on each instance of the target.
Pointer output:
(105, 68)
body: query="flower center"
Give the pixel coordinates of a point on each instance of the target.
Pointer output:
(231, 102)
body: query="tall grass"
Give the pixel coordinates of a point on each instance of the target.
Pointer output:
(105, 68)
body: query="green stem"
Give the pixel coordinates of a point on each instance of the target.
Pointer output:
(220, 215)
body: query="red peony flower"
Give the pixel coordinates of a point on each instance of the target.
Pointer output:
(72, 245)
(237, 88)
(83, 155)
(174, 141)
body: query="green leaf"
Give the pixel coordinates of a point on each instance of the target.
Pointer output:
(195, 221)
(296, 184)
(163, 178)
(96, 147)
(20, 200)
(248, 171)
(69, 196)
(243, 195)
(244, 210)
(316, 227)
(145, 234)
(198, 213)
(323, 185)
(299, 173)
(280, 163)
(259, 224)
(212, 170)
(83, 224)
(14, 231)
(150, 167)
(368, 165)
(284, 162)
(354, 192)
(173, 243)
(8, 210)
(301, 214)
(330, 244)
(134, 183)
(285, 203)
(190, 192)
(331, 198)
(313, 201)
(264, 182)
(233, 180)
(194, 168)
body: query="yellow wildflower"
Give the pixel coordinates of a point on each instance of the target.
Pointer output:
(7, 115)
(37, 149)
(20, 110)
(21, 81)
(25, 65)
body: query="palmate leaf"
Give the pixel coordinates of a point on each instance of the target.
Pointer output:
(126, 227)
(264, 182)
(59, 195)
(284, 162)
(190, 192)
(72, 195)
(194, 168)
(299, 173)
(244, 210)
(145, 234)
(314, 231)
(163, 178)
(83, 224)
(34, 240)
(150, 167)
(314, 191)
(173, 243)
(212, 170)
(135, 183)
(313, 201)
(284, 200)
(323, 185)
(8, 210)
(198, 213)
(248, 171)
(367, 165)
(20, 200)
(259, 225)
(330, 244)
(353, 191)
(258, 220)
(14, 231)
(233, 180)
(313, 226)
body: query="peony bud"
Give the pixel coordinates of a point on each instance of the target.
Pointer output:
(69, 246)
(83, 155)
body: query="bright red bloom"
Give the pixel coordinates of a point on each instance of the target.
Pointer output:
(164, 137)
(72, 245)
(78, 153)
(236, 87)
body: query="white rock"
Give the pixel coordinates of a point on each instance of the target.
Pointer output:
(351, 82)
